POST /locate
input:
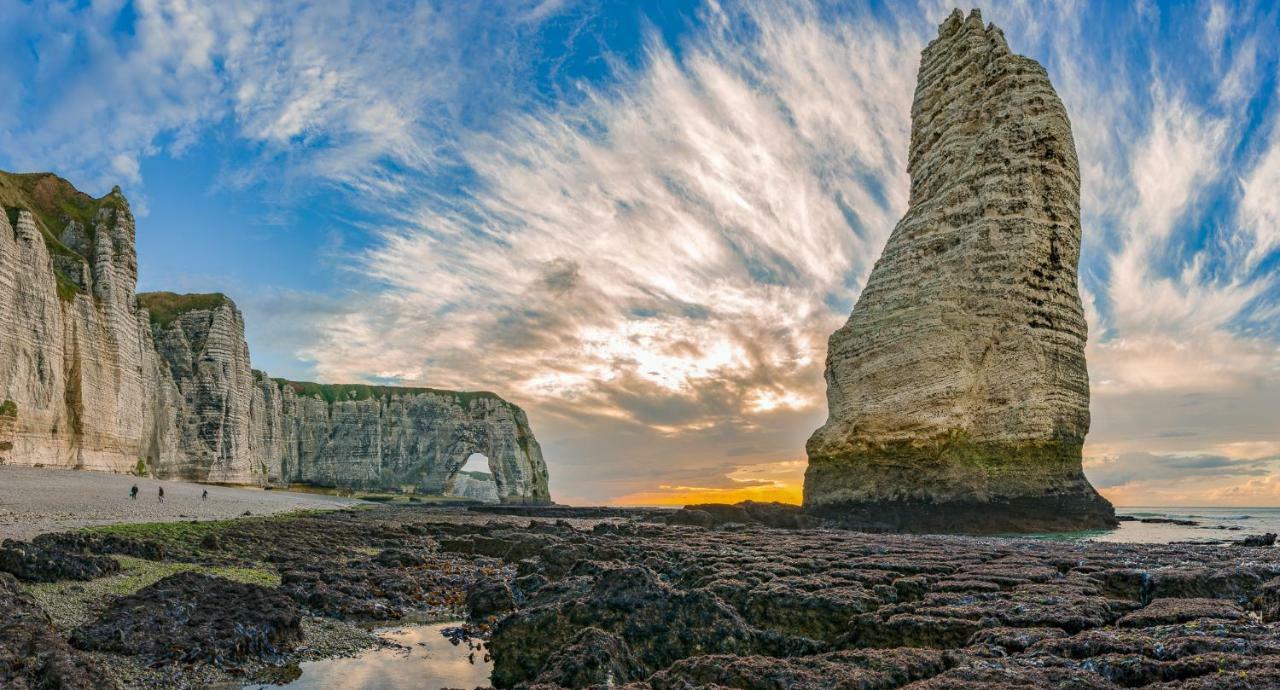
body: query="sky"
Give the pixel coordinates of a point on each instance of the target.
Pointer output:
(642, 220)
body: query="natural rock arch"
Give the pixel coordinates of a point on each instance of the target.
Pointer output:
(475, 479)
(384, 438)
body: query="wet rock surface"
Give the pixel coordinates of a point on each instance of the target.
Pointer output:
(632, 600)
(194, 617)
(44, 562)
(672, 606)
(33, 654)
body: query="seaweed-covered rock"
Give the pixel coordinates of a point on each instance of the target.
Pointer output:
(660, 624)
(770, 514)
(1166, 611)
(195, 617)
(101, 544)
(821, 611)
(371, 589)
(490, 597)
(1015, 640)
(592, 657)
(33, 656)
(41, 562)
(872, 668)
(1016, 674)
(1268, 539)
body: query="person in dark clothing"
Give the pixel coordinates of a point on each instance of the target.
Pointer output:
(204, 495)
(161, 495)
(133, 493)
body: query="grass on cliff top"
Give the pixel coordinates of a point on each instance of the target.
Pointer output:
(165, 307)
(54, 202)
(335, 392)
(71, 603)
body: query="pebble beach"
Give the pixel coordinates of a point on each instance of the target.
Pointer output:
(37, 500)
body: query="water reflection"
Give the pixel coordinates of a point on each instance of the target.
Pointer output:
(424, 659)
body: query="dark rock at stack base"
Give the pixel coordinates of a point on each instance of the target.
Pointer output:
(768, 514)
(957, 390)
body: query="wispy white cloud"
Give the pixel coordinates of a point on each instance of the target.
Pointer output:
(653, 262)
(94, 104)
(327, 91)
(1259, 212)
(664, 254)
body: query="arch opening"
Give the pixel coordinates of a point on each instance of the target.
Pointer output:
(474, 480)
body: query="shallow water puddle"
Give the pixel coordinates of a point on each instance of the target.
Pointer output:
(425, 659)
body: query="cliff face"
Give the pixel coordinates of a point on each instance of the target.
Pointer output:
(374, 437)
(93, 376)
(957, 390)
(200, 341)
(475, 486)
(77, 369)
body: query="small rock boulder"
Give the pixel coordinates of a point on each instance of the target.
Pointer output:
(42, 562)
(195, 617)
(490, 598)
(592, 658)
(692, 518)
(1268, 539)
(1174, 611)
(33, 654)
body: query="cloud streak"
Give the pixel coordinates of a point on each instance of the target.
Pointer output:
(650, 255)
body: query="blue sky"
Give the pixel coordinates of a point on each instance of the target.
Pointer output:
(641, 220)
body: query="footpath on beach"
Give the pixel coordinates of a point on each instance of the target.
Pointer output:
(36, 500)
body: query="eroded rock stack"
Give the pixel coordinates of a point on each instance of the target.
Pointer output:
(957, 390)
(93, 376)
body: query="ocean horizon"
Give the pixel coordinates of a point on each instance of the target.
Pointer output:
(1196, 524)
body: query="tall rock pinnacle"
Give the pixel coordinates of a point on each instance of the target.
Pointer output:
(957, 390)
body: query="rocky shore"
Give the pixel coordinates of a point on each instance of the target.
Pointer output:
(627, 598)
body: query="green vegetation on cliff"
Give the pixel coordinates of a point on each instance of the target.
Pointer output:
(55, 203)
(335, 392)
(165, 307)
(8, 408)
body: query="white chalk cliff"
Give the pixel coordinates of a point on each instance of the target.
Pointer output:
(93, 376)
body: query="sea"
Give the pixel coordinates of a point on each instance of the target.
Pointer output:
(1151, 525)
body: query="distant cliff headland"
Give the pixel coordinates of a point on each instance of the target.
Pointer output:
(95, 376)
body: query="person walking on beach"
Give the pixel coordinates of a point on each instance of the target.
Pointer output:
(133, 493)
(160, 496)
(204, 495)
